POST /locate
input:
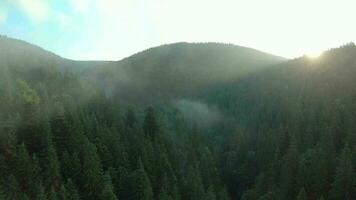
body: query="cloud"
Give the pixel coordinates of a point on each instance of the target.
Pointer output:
(37, 10)
(81, 5)
(63, 19)
(3, 16)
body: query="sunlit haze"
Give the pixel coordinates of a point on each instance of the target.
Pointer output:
(113, 29)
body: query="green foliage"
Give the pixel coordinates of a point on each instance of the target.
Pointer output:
(302, 195)
(108, 190)
(141, 183)
(26, 95)
(71, 191)
(150, 126)
(344, 186)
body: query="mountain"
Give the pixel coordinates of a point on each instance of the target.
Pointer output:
(179, 69)
(19, 53)
(299, 110)
(239, 124)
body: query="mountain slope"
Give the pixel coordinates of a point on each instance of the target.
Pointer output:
(20, 54)
(285, 122)
(179, 69)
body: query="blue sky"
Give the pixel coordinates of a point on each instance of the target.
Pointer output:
(113, 29)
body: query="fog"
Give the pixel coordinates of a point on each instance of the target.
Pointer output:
(198, 112)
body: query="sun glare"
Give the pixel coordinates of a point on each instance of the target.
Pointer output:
(314, 55)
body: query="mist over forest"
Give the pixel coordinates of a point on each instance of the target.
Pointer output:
(181, 121)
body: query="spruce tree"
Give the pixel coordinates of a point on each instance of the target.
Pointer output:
(163, 195)
(289, 170)
(344, 186)
(108, 190)
(51, 171)
(210, 194)
(71, 191)
(141, 183)
(52, 195)
(130, 119)
(302, 195)
(12, 189)
(91, 174)
(150, 125)
(41, 194)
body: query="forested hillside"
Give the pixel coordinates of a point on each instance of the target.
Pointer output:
(176, 70)
(237, 124)
(292, 132)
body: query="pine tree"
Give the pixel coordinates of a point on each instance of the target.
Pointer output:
(141, 183)
(193, 185)
(222, 194)
(71, 191)
(23, 169)
(60, 128)
(344, 185)
(62, 193)
(52, 194)
(130, 119)
(41, 194)
(12, 189)
(92, 175)
(302, 194)
(289, 170)
(150, 125)
(164, 196)
(210, 194)
(51, 170)
(108, 190)
(2, 197)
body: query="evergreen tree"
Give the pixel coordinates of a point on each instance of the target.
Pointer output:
(71, 191)
(52, 195)
(289, 170)
(41, 194)
(62, 193)
(210, 194)
(141, 183)
(164, 196)
(193, 186)
(150, 125)
(344, 185)
(51, 170)
(130, 119)
(12, 189)
(92, 175)
(108, 190)
(302, 195)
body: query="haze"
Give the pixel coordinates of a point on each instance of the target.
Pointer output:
(111, 30)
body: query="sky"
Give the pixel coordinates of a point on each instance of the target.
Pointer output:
(114, 29)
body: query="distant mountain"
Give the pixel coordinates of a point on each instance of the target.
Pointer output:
(179, 69)
(18, 53)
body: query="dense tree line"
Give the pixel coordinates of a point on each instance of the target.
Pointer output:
(293, 133)
(55, 145)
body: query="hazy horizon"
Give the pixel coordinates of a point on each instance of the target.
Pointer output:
(112, 30)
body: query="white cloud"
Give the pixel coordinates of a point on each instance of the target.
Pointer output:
(37, 10)
(3, 16)
(63, 19)
(81, 5)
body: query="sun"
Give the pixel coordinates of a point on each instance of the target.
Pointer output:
(314, 55)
